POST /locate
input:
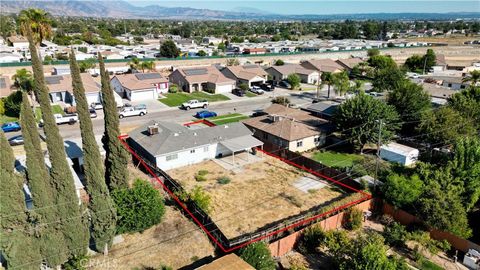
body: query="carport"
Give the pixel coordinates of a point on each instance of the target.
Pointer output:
(240, 144)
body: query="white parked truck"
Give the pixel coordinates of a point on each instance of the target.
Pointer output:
(63, 119)
(140, 110)
(192, 104)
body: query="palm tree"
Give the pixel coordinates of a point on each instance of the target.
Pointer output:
(147, 65)
(357, 87)
(327, 79)
(38, 21)
(473, 77)
(341, 83)
(134, 64)
(23, 79)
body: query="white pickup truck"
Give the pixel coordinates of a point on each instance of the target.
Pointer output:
(140, 110)
(63, 119)
(192, 104)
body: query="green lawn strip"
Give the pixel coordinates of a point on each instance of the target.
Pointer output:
(6, 119)
(334, 159)
(228, 120)
(428, 265)
(55, 109)
(230, 115)
(176, 99)
(250, 94)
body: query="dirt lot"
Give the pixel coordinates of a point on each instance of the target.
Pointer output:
(175, 242)
(260, 194)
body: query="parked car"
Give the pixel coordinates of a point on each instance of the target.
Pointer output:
(258, 113)
(205, 114)
(256, 90)
(12, 126)
(285, 84)
(132, 111)
(239, 92)
(192, 104)
(373, 94)
(267, 87)
(96, 105)
(16, 140)
(93, 113)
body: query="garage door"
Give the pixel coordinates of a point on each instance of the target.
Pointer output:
(143, 95)
(224, 88)
(92, 98)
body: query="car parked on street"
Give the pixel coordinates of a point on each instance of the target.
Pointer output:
(96, 106)
(238, 92)
(205, 114)
(285, 84)
(16, 140)
(256, 90)
(132, 111)
(267, 87)
(194, 103)
(10, 127)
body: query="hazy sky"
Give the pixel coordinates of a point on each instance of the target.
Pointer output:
(324, 7)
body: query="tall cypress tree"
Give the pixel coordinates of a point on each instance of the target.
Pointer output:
(70, 216)
(116, 171)
(102, 210)
(50, 239)
(16, 238)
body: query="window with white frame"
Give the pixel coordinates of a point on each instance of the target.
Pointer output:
(172, 157)
(316, 139)
(299, 143)
(192, 151)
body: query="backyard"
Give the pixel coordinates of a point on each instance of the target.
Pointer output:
(259, 194)
(176, 99)
(335, 159)
(227, 118)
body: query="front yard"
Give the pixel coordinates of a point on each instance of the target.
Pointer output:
(55, 109)
(176, 99)
(6, 119)
(227, 118)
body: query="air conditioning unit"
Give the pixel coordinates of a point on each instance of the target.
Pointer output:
(274, 118)
(152, 130)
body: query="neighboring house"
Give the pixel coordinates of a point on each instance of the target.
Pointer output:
(169, 145)
(322, 65)
(81, 56)
(112, 55)
(254, 51)
(5, 86)
(248, 74)
(207, 78)
(399, 153)
(19, 42)
(324, 109)
(289, 128)
(439, 94)
(454, 83)
(61, 70)
(349, 63)
(8, 57)
(279, 73)
(60, 88)
(212, 40)
(140, 86)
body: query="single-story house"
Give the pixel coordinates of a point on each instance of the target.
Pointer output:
(399, 153)
(61, 70)
(60, 88)
(324, 109)
(248, 74)
(17, 41)
(455, 83)
(323, 65)
(5, 86)
(139, 86)
(207, 78)
(279, 73)
(8, 57)
(349, 63)
(169, 145)
(254, 51)
(438, 93)
(289, 128)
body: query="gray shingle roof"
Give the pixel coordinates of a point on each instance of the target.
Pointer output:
(173, 137)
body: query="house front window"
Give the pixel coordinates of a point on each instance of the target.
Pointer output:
(316, 139)
(299, 143)
(172, 157)
(192, 151)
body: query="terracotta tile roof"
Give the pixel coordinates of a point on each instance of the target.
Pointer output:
(204, 74)
(288, 69)
(5, 86)
(350, 62)
(230, 262)
(323, 65)
(293, 124)
(58, 83)
(247, 72)
(132, 81)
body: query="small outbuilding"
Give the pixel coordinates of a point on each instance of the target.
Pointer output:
(399, 153)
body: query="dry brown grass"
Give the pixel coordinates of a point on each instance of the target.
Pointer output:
(175, 242)
(260, 194)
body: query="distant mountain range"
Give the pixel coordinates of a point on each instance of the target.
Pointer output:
(123, 9)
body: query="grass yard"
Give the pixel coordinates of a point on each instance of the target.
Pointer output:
(227, 118)
(428, 265)
(250, 94)
(176, 99)
(335, 159)
(55, 109)
(6, 119)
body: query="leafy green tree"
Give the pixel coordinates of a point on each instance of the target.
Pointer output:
(19, 249)
(353, 219)
(358, 120)
(414, 62)
(294, 80)
(36, 21)
(381, 62)
(51, 240)
(410, 100)
(341, 83)
(116, 171)
(444, 126)
(279, 62)
(429, 59)
(467, 103)
(312, 238)
(473, 77)
(102, 212)
(387, 79)
(258, 255)
(402, 191)
(395, 234)
(138, 208)
(13, 103)
(169, 49)
(134, 64)
(147, 65)
(71, 218)
(87, 64)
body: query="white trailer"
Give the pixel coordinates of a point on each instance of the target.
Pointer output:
(399, 153)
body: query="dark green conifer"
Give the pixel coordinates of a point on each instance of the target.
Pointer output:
(16, 238)
(102, 209)
(116, 171)
(70, 216)
(50, 238)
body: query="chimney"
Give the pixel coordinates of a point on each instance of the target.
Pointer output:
(153, 129)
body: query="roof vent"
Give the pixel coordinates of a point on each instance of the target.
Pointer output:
(274, 118)
(176, 134)
(153, 129)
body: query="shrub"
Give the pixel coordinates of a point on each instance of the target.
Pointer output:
(139, 207)
(202, 172)
(243, 86)
(395, 234)
(258, 255)
(311, 239)
(223, 180)
(76, 263)
(279, 62)
(200, 178)
(354, 219)
(200, 198)
(294, 80)
(173, 88)
(281, 100)
(13, 103)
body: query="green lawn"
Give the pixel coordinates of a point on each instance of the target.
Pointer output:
(250, 94)
(5, 119)
(227, 118)
(176, 99)
(55, 109)
(428, 265)
(335, 159)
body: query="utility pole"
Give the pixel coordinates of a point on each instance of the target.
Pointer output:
(377, 161)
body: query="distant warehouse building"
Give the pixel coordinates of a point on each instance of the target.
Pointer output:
(399, 153)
